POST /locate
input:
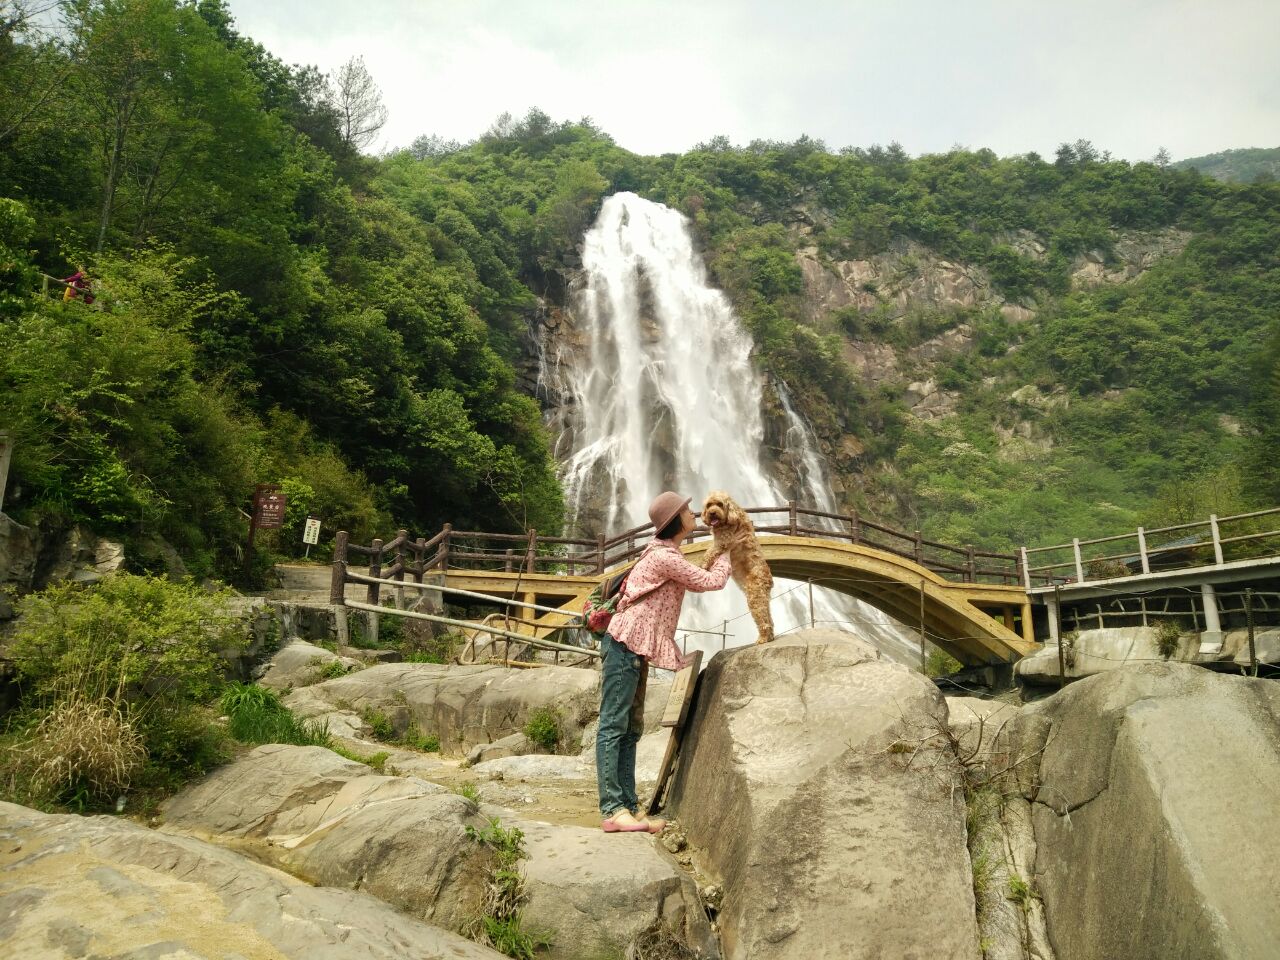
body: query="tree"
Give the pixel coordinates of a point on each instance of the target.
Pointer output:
(359, 104)
(1162, 159)
(432, 145)
(175, 114)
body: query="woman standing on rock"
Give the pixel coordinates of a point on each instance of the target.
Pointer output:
(643, 632)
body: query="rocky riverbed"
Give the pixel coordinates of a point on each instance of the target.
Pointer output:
(828, 803)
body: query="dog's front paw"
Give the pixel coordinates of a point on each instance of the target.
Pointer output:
(763, 639)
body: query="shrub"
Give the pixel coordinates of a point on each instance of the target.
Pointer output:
(939, 663)
(1168, 633)
(543, 728)
(379, 723)
(1106, 569)
(256, 715)
(1021, 892)
(415, 738)
(329, 670)
(135, 639)
(131, 657)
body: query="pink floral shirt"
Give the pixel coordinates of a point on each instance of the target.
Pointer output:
(648, 628)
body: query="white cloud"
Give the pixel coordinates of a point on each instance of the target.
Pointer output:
(1013, 75)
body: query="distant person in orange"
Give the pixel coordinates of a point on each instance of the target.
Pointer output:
(78, 283)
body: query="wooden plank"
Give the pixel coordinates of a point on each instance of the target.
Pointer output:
(674, 718)
(682, 692)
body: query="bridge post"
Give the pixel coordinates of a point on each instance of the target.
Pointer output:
(1212, 636)
(338, 588)
(1055, 623)
(791, 512)
(1075, 548)
(919, 549)
(420, 551)
(506, 565)
(530, 559)
(1025, 572)
(403, 537)
(1217, 539)
(375, 571)
(337, 585)
(1142, 550)
(446, 537)
(971, 565)
(1248, 620)
(924, 669)
(600, 553)
(855, 527)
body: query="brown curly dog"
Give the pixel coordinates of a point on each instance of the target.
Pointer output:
(732, 531)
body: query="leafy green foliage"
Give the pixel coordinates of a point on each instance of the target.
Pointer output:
(1247, 165)
(256, 715)
(543, 728)
(379, 724)
(415, 739)
(279, 308)
(130, 660)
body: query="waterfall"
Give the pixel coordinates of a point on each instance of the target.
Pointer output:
(659, 392)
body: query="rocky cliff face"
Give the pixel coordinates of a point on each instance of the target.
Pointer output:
(889, 291)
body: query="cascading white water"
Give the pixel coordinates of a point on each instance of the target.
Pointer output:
(663, 395)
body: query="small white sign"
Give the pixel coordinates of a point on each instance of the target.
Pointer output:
(311, 532)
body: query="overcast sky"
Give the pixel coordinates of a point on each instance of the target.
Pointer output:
(1013, 75)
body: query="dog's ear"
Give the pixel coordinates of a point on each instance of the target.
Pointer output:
(736, 515)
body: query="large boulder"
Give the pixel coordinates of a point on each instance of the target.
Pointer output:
(462, 705)
(300, 664)
(334, 822)
(74, 887)
(815, 786)
(1154, 791)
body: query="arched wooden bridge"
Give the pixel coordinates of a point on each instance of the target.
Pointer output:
(974, 605)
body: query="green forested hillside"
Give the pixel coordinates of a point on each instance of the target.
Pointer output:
(1247, 165)
(279, 307)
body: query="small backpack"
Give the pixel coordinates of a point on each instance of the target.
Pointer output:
(602, 602)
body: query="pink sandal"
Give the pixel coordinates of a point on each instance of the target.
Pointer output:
(611, 824)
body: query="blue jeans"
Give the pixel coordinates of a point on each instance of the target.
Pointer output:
(623, 679)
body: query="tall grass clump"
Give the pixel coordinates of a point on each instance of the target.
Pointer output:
(501, 921)
(113, 679)
(256, 715)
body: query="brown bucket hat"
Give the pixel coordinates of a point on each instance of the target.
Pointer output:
(665, 506)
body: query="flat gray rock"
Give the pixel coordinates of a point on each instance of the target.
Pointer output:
(74, 887)
(334, 822)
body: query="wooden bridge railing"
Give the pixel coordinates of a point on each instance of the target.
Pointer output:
(532, 553)
(1203, 543)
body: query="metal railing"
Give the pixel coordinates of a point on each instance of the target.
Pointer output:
(1203, 543)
